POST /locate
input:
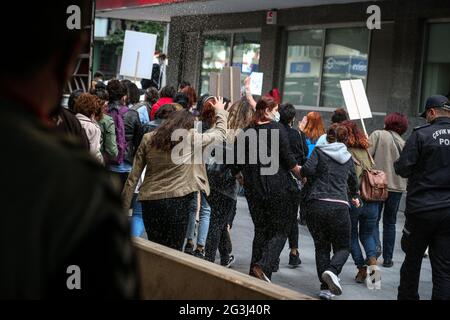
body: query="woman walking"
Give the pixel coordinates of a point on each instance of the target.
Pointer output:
(268, 186)
(172, 178)
(364, 219)
(331, 174)
(386, 146)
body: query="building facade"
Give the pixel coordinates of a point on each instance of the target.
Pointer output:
(310, 49)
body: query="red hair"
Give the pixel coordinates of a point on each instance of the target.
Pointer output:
(396, 122)
(263, 105)
(356, 138)
(314, 127)
(275, 95)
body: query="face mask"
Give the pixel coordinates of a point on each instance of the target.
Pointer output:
(276, 116)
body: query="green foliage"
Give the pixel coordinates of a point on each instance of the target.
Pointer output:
(116, 38)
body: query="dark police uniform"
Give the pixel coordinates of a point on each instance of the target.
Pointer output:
(425, 161)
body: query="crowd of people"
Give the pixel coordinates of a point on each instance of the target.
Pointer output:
(190, 206)
(117, 154)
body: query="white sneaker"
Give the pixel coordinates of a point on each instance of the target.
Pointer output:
(326, 295)
(333, 282)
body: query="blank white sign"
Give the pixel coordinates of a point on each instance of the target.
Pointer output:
(356, 99)
(137, 56)
(256, 83)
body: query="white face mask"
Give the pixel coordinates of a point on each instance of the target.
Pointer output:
(276, 116)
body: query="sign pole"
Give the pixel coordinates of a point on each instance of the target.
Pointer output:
(137, 65)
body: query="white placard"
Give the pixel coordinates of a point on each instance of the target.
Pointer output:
(356, 99)
(256, 83)
(137, 56)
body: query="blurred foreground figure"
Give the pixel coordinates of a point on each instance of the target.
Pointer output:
(61, 223)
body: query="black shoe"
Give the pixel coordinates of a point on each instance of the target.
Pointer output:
(199, 254)
(227, 263)
(189, 248)
(276, 267)
(294, 260)
(388, 263)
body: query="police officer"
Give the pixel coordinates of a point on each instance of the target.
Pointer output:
(425, 161)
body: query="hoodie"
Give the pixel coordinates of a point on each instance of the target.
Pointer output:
(336, 151)
(331, 173)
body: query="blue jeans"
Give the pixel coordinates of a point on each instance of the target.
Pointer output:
(137, 224)
(203, 226)
(391, 206)
(365, 218)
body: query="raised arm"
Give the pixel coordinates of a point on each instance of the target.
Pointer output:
(219, 133)
(248, 94)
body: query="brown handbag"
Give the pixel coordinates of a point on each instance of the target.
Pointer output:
(374, 185)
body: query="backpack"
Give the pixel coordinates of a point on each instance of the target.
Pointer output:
(118, 117)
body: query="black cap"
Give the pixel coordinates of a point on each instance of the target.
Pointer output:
(436, 101)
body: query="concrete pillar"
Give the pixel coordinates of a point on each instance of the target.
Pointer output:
(270, 56)
(408, 43)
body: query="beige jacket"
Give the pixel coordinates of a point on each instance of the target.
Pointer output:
(173, 174)
(385, 153)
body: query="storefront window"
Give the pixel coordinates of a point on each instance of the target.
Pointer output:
(301, 82)
(312, 70)
(246, 51)
(436, 72)
(217, 55)
(346, 54)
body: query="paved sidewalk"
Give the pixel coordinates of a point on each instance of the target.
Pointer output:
(304, 279)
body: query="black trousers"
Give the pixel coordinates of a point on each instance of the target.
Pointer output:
(293, 234)
(330, 226)
(271, 218)
(166, 220)
(430, 229)
(221, 207)
(225, 245)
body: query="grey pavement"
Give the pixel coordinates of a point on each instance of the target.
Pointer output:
(304, 279)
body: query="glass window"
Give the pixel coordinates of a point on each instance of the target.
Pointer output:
(216, 55)
(304, 55)
(346, 54)
(246, 52)
(436, 72)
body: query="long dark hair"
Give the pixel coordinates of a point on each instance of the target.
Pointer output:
(162, 139)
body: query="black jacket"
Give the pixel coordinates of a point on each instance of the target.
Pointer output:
(297, 142)
(133, 133)
(425, 161)
(265, 180)
(331, 173)
(69, 215)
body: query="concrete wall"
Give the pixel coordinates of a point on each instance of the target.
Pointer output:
(172, 275)
(395, 57)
